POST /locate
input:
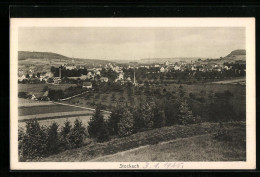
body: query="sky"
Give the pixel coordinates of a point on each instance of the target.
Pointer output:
(131, 43)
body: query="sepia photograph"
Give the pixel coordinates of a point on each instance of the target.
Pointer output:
(132, 94)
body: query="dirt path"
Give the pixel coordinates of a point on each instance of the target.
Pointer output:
(73, 96)
(231, 81)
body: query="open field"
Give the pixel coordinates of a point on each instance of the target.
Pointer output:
(29, 103)
(44, 109)
(49, 112)
(205, 148)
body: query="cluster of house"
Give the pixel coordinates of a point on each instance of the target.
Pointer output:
(94, 73)
(196, 66)
(114, 67)
(43, 76)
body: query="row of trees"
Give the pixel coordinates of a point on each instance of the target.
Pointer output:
(126, 119)
(39, 141)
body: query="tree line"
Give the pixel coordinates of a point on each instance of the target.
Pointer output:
(126, 119)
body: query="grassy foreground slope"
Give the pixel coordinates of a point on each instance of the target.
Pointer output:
(186, 146)
(197, 148)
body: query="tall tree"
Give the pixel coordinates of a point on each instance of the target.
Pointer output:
(159, 117)
(185, 115)
(126, 123)
(52, 139)
(97, 127)
(114, 118)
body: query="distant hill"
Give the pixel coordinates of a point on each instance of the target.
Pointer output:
(25, 55)
(237, 52)
(237, 55)
(22, 55)
(42, 61)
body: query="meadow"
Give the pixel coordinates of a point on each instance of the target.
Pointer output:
(197, 148)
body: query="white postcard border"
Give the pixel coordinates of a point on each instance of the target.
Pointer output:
(248, 23)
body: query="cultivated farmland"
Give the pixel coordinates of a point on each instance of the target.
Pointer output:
(113, 98)
(44, 109)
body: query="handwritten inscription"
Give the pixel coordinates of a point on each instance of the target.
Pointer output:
(164, 165)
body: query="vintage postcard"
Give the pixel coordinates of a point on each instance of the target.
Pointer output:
(132, 93)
